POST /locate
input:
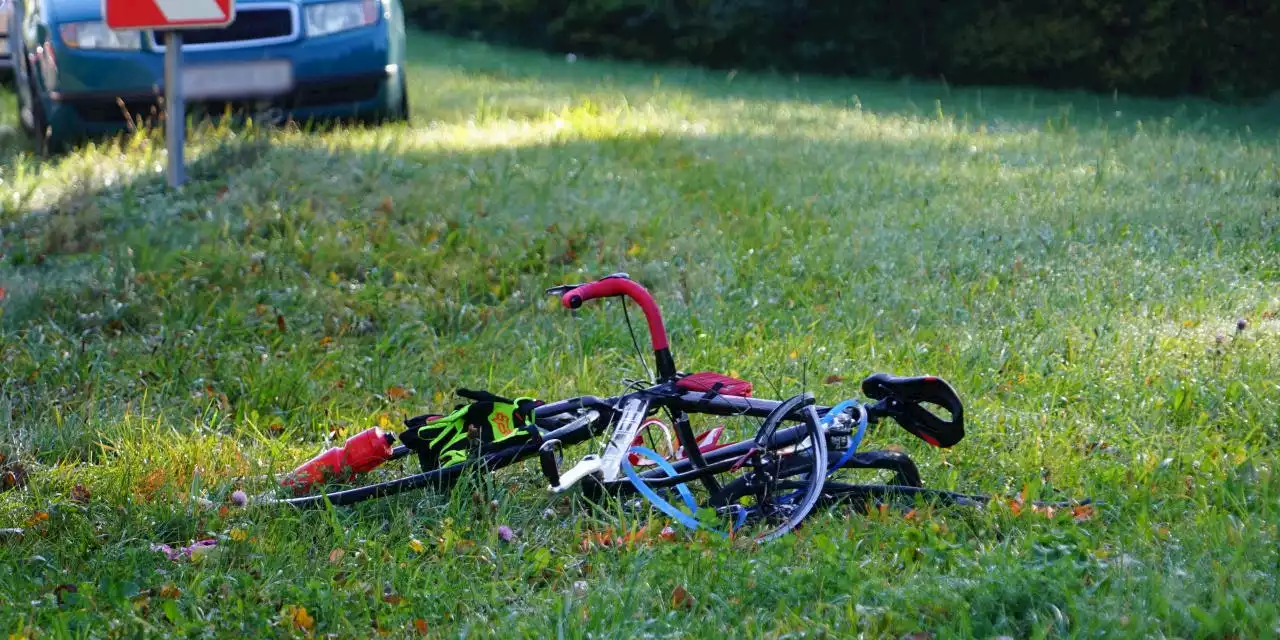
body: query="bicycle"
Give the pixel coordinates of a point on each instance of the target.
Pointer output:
(774, 478)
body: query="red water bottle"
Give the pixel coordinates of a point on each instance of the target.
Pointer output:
(361, 453)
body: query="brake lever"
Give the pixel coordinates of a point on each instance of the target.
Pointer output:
(562, 289)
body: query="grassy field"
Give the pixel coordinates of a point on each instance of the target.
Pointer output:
(1097, 276)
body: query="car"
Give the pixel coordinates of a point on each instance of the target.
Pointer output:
(304, 60)
(6, 57)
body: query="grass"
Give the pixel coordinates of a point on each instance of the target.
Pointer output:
(1075, 265)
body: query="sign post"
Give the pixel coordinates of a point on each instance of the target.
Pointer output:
(175, 109)
(170, 17)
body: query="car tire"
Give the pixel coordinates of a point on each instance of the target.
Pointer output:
(401, 112)
(45, 143)
(404, 99)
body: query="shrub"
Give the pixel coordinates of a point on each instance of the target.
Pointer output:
(1222, 49)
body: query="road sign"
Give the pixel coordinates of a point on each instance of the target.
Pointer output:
(171, 17)
(168, 14)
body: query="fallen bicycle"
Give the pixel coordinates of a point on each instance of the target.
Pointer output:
(770, 476)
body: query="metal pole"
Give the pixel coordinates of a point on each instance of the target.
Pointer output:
(175, 110)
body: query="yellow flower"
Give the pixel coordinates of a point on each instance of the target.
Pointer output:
(417, 545)
(239, 535)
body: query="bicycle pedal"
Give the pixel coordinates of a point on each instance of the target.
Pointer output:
(589, 465)
(549, 459)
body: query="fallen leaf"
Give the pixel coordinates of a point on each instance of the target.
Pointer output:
(170, 591)
(420, 625)
(298, 617)
(680, 598)
(1083, 512)
(335, 556)
(397, 393)
(14, 478)
(80, 494)
(387, 205)
(280, 323)
(392, 598)
(832, 379)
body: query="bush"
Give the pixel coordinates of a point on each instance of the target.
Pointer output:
(1164, 47)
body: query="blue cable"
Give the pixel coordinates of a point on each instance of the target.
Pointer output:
(691, 522)
(656, 500)
(857, 437)
(669, 469)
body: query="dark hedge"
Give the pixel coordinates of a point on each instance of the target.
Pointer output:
(1226, 50)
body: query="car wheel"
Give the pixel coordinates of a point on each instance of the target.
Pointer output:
(401, 112)
(404, 100)
(44, 140)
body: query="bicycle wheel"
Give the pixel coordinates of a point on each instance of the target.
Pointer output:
(780, 480)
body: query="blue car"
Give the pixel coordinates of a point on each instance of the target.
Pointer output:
(305, 60)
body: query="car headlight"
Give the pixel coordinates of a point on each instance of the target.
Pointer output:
(96, 35)
(332, 17)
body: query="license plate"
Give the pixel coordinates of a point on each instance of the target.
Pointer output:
(240, 80)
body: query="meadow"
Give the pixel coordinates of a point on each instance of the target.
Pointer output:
(1097, 276)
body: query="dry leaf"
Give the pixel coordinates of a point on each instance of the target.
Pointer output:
(335, 556)
(392, 598)
(14, 478)
(420, 625)
(832, 379)
(280, 323)
(1083, 512)
(170, 591)
(387, 205)
(680, 598)
(80, 494)
(298, 617)
(397, 393)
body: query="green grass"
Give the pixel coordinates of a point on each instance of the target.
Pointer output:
(1075, 265)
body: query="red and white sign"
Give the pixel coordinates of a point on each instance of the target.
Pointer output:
(168, 14)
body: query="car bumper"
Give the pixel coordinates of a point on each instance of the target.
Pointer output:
(344, 75)
(6, 55)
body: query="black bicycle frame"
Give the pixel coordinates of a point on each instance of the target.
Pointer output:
(664, 395)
